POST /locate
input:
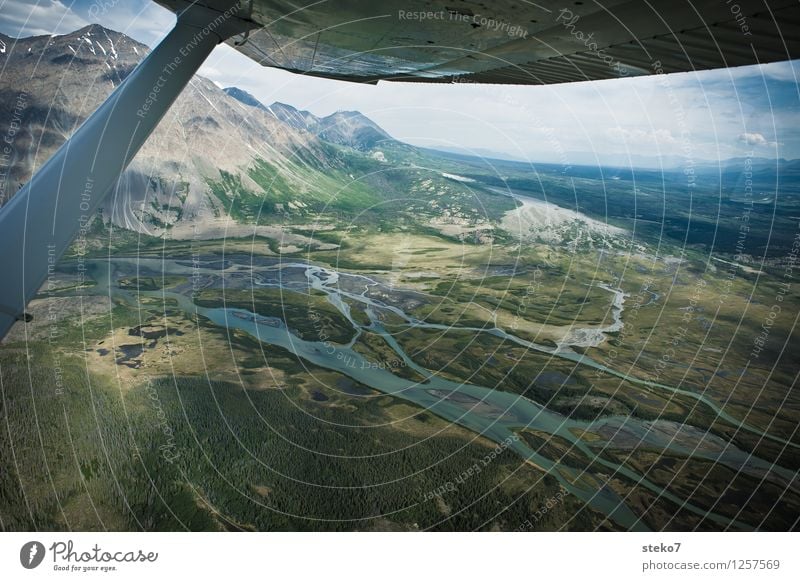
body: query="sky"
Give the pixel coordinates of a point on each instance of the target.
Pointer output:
(708, 115)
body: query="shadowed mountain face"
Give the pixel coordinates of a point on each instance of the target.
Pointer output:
(211, 146)
(244, 97)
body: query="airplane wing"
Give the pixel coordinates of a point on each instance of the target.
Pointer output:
(512, 41)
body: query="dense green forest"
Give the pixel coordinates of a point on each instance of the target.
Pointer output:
(186, 453)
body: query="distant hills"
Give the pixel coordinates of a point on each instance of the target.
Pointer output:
(619, 160)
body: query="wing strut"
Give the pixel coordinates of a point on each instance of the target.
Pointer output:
(57, 204)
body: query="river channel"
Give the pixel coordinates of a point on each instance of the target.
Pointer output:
(486, 410)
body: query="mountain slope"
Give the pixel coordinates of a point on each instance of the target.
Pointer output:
(180, 179)
(292, 116)
(352, 129)
(244, 97)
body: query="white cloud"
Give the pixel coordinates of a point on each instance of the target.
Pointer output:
(779, 71)
(20, 19)
(782, 71)
(752, 138)
(755, 140)
(143, 20)
(640, 136)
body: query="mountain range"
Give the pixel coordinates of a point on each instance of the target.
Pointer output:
(347, 128)
(212, 148)
(223, 164)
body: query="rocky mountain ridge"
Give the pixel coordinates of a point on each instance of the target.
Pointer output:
(347, 128)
